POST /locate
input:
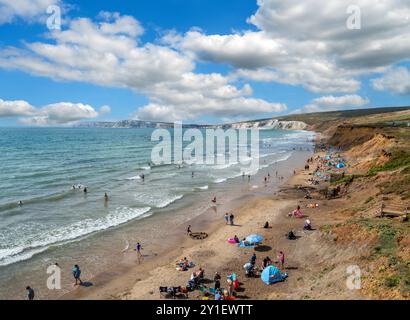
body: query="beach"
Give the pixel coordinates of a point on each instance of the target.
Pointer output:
(335, 192)
(347, 235)
(142, 280)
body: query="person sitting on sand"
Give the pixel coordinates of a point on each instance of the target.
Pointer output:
(297, 213)
(308, 225)
(236, 239)
(266, 262)
(200, 274)
(266, 226)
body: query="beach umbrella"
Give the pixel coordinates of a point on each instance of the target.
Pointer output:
(254, 238)
(340, 165)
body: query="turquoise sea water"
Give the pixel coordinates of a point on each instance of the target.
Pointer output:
(39, 166)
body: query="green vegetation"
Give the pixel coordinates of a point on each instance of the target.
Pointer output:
(347, 179)
(400, 186)
(399, 160)
(389, 231)
(326, 117)
(369, 199)
(392, 281)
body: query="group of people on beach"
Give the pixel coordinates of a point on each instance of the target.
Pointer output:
(229, 218)
(76, 272)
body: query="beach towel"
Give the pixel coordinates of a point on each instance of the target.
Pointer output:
(247, 245)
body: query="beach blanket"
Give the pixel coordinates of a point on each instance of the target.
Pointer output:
(246, 245)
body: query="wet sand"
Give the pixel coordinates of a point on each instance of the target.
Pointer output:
(139, 279)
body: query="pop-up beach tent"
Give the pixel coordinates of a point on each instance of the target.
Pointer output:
(271, 275)
(254, 238)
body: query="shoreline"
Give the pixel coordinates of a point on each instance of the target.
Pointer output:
(114, 285)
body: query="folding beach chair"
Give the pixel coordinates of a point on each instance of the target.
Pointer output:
(163, 292)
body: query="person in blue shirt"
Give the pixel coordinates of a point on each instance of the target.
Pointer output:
(76, 274)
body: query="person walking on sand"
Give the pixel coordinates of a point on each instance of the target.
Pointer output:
(30, 293)
(77, 274)
(231, 219)
(281, 257)
(227, 218)
(138, 248)
(188, 230)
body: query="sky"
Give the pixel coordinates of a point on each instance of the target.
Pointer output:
(197, 61)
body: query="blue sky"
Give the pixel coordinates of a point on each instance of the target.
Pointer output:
(197, 61)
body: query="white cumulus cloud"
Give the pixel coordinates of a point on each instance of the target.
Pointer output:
(395, 80)
(308, 43)
(24, 9)
(333, 103)
(108, 52)
(61, 113)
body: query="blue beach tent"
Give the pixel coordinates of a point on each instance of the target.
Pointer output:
(271, 275)
(254, 238)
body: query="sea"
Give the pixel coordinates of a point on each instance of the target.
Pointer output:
(43, 219)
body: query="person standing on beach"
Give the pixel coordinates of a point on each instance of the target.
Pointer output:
(252, 261)
(138, 248)
(217, 280)
(231, 218)
(106, 197)
(281, 257)
(226, 218)
(30, 293)
(214, 200)
(188, 230)
(76, 274)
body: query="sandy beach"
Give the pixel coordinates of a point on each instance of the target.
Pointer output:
(317, 262)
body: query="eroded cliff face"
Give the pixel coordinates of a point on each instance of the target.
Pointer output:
(271, 124)
(257, 124)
